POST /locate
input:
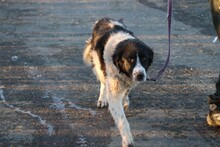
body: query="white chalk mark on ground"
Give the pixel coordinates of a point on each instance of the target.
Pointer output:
(61, 104)
(42, 121)
(215, 39)
(81, 141)
(14, 58)
(72, 105)
(58, 103)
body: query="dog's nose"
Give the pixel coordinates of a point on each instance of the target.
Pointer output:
(140, 77)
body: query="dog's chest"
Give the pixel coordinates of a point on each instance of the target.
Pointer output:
(125, 82)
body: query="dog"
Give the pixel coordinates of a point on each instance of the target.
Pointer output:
(120, 62)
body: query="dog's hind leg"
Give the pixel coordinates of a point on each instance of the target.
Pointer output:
(102, 101)
(117, 111)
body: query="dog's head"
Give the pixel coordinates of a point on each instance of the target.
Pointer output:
(133, 58)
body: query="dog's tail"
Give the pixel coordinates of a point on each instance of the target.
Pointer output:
(87, 58)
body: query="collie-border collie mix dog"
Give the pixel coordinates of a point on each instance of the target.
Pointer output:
(120, 62)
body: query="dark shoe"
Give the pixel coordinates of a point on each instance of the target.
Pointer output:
(213, 118)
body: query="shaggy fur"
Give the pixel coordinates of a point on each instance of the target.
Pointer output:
(120, 62)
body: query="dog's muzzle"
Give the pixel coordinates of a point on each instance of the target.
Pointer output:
(139, 76)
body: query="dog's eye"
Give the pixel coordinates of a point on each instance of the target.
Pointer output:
(131, 60)
(144, 58)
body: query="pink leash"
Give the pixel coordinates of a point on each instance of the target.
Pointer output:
(164, 67)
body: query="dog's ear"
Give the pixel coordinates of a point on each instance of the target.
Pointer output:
(151, 55)
(117, 60)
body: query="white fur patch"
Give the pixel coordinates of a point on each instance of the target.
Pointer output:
(138, 69)
(113, 23)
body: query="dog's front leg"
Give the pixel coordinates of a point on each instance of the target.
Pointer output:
(126, 101)
(117, 111)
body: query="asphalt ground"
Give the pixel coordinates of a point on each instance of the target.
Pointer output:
(48, 96)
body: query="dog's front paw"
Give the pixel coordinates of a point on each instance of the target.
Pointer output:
(127, 145)
(102, 104)
(127, 140)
